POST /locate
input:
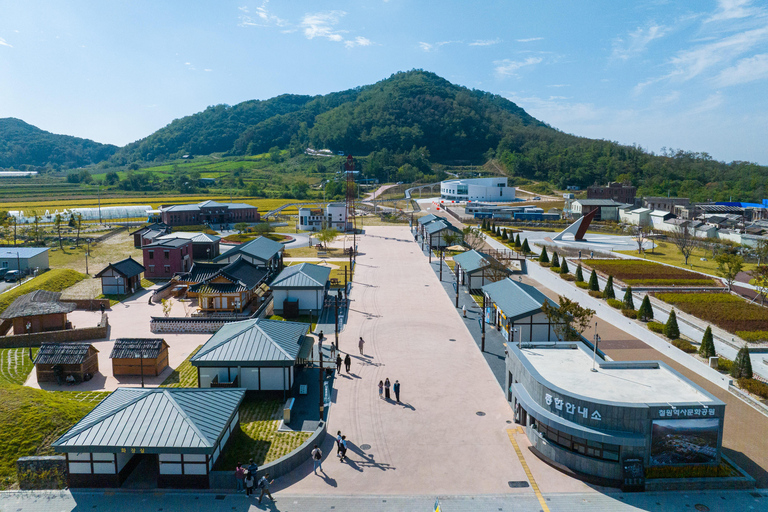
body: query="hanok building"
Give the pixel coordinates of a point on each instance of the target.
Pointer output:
(476, 269)
(177, 434)
(139, 357)
(516, 311)
(231, 288)
(208, 212)
(299, 289)
(622, 414)
(147, 234)
(165, 258)
(261, 251)
(204, 246)
(121, 278)
(258, 355)
(56, 362)
(38, 311)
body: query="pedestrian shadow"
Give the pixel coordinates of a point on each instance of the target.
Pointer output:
(366, 460)
(405, 405)
(327, 479)
(270, 505)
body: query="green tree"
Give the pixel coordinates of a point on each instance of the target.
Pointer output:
(608, 293)
(504, 235)
(473, 238)
(579, 273)
(526, 249)
(569, 319)
(760, 279)
(563, 266)
(742, 365)
(543, 257)
(241, 226)
(76, 221)
(671, 330)
(327, 235)
(484, 225)
(707, 348)
(555, 260)
(645, 312)
(594, 284)
(57, 222)
(274, 154)
(728, 267)
(629, 303)
(517, 241)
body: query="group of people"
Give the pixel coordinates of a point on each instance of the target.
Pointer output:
(384, 387)
(247, 481)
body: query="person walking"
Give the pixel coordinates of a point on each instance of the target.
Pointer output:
(386, 389)
(338, 363)
(381, 389)
(317, 458)
(338, 443)
(239, 478)
(396, 387)
(320, 336)
(333, 350)
(343, 448)
(250, 481)
(347, 362)
(360, 345)
(264, 484)
(252, 467)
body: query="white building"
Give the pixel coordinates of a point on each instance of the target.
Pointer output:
(334, 215)
(478, 189)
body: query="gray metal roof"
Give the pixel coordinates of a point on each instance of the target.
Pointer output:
(159, 420)
(440, 225)
(261, 248)
(171, 243)
(305, 275)
(516, 300)
(190, 235)
(137, 348)
(472, 261)
(23, 252)
(127, 268)
(39, 302)
(255, 342)
(427, 218)
(63, 353)
(598, 202)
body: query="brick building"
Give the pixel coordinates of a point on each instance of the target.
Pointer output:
(208, 212)
(619, 192)
(164, 258)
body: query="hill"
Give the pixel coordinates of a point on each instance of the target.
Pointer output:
(24, 144)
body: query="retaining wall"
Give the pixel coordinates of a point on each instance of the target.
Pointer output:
(37, 338)
(87, 304)
(48, 472)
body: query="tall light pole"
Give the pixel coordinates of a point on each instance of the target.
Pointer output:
(88, 250)
(594, 353)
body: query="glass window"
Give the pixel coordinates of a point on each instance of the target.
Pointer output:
(579, 445)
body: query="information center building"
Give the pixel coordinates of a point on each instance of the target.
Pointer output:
(593, 422)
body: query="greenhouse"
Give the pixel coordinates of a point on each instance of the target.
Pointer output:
(104, 214)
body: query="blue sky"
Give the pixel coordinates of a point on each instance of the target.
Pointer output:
(678, 74)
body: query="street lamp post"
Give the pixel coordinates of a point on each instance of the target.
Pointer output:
(594, 353)
(88, 250)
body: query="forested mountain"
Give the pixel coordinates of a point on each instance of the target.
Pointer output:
(22, 144)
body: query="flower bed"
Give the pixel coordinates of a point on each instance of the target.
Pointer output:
(646, 273)
(724, 310)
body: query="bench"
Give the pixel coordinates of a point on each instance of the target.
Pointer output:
(287, 410)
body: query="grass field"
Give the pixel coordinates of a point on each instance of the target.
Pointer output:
(648, 273)
(728, 312)
(54, 281)
(667, 253)
(183, 376)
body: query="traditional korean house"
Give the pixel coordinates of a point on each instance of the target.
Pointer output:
(38, 311)
(231, 288)
(121, 278)
(139, 356)
(56, 362)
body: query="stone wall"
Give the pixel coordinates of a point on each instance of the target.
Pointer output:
(48, 472)
(88, 304)
(36, 339)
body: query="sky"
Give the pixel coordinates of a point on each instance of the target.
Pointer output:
(690, 75)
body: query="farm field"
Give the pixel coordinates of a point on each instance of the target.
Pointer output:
(646, 273)
(726, 311)
(667, 253)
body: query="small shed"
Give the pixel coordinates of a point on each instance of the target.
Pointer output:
(38, 311)
(139, 356)
(516, 311)
(121, 278)
(477, 269)
(306, 283)
(57, 361)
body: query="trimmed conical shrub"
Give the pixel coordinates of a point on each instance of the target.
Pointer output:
(646, 311)
(517, 241)
(563, 266)
(594, 285)
(671, 330)
(504, 235)
(628, 302)
(707, 348)
(543, 257)
(555, 259)
(484, 225)
(742, 365)
(526, 248)
(608, 293)
(579, 273)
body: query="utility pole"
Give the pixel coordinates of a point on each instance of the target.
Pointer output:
(88, 250)
(456, 271)
(594, 353)
(141, 362)
(321, 383)
(441, 263)
(337, 322)
(482, 323)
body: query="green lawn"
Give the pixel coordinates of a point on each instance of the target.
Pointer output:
(54, 280)
(666, 252)
(184, 376)
(16, 365)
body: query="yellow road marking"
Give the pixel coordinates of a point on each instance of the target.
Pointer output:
(511, 433)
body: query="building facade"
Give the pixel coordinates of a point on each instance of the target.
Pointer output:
(478, 189)
(333, 216)
(665, 203)
(608, 209)
(619, 192)
(25, 259)
(208, 212)
(165, 258)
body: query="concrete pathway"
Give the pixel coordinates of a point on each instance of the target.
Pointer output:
(434, 442)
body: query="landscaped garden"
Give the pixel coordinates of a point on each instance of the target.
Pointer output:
(646, 273)
(729, 312)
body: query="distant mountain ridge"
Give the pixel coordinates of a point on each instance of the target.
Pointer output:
(24, 144)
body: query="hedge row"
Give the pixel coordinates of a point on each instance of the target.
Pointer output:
(754, 386)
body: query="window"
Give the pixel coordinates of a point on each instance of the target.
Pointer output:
(167, 269)
(167, 254)
(579, 445)
(151, 269)
(151, 255)
(5, 264)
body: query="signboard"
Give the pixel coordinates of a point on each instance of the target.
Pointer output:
(557, 404)
(686, 412)
(684, 441)
(633, 475)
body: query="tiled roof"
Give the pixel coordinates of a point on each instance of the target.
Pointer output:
(201, 272)
(62, 353)
(305, 275)
(516, 300)
(261, 248)
(127, 268)
(158, 420)
(137, 348)
(254, 341)
(242, 275)
(39, 302)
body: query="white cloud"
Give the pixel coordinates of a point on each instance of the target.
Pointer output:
(425, 46)
(485, 42)
(207, 70)
(637, 41)
(529, 40)
(321, 25)
(261, 18)
(710, 103)
(508, 67)
(358, 41)
(3, 42)
(735, 9)
(746, 70)
(431, 47)
(559, 85)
